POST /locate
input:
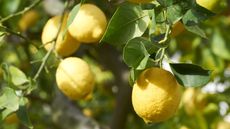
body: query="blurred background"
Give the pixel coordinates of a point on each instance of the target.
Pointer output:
(110, 106)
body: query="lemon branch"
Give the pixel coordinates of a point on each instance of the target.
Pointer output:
(54, 41)
(21, 12)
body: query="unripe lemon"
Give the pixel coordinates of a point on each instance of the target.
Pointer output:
(74, 78)
(65, 45)
(156, 95)
(140, 1)
(28, 20)
(212, 5)
(12, 119)
(89, 24)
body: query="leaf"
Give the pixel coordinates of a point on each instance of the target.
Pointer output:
(71, 17)
(23, 114)
(137, 51)
(9, 102)
(165, 2)
(174, 13)
(8, 7)
(129, 21)
(17, 76)
(190, 75)
(219, 46)
(134, 74)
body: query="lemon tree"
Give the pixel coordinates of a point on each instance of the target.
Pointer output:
(174, 55)
(74, 78)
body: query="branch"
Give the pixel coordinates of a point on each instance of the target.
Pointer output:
(20, 12)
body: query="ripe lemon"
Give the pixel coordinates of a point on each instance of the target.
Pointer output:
(65, 45)
(156, 95)
(28, 20)
(140, 1)
(12, 119)
(212, 5)
(223, 125)
(89, 24)
(74, 78)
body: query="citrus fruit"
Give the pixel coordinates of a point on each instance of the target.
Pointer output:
(212, 5)
(74, 78)
(65, 44)
(28, 20)
(89, 24)
(177, 29)
(223, 125)
(156, 95)
(140, 1)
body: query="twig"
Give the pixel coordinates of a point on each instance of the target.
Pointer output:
(20, 12)
(44, 59)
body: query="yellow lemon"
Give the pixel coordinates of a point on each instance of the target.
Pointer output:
(89, 24)
(223, 125)
(212, 5)
(188, 100)
(140, 1)
(156, 95)
(12, 119)
(28, 20)
(184, 127)
(74, 78)
(65, 45)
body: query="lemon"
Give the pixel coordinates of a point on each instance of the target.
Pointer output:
(223, 125)
(156, 95)
(74, 78)
(12, 119)
(140, 1)
(177, 29)
(89, 24)
(188, 100)
(28, 20)
(212, 5)
(65, 45)
(184, 127)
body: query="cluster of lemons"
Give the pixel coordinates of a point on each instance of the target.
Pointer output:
(74, 76)
(156, 94)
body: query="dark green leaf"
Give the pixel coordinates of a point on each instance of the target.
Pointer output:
(165, 2)
(174, 13)
(129, 21)
(190, 75)
(23, 114)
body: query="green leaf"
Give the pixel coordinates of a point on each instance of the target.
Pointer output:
(134, 74)
(165, 2)
(17, 76)
(71, 16)
(129, 21)
(9, 102)
(23, 114)
(137, 51)
(219, 46)
(190, 75)
(8, 7)
(174, 13)
(191, 21)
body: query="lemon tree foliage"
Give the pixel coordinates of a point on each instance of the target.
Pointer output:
(43, 52)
